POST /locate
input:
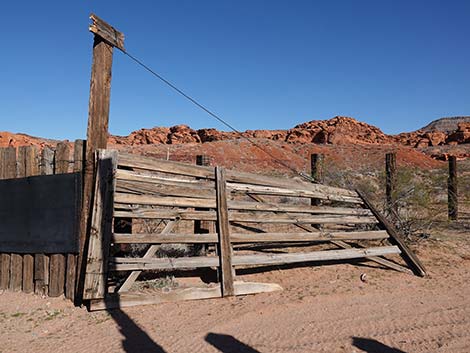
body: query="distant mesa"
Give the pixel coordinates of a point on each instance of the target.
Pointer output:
(446, 125)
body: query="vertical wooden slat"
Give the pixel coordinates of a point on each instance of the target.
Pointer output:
(71, 272)
(223, 230)
(452, 190)
(95, 285)
(31, 168)
(7, 171)
(57, 261)
(390, 182)
(41, 261)
(316, 172)
(16, 260)
(202, 227)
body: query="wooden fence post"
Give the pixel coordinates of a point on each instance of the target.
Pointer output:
(7, 171)
(316, 172)
(105, 39)
(41, 261)
(31, 168)
(57, 261)
(16, 260)
(452, 190)
(390, 182)
(223, 231)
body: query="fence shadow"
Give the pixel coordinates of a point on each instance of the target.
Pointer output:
(228, 344)
(373, 346)
(135, 339)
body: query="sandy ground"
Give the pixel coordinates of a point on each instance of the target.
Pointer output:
(321, 309)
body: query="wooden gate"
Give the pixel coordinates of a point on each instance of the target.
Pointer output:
(248, 211)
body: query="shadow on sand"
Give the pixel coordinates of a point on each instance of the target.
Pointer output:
(373, 346)
(228, 344)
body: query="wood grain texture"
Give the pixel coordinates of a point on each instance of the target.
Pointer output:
(95, 285)
(247, 238)
(127, 264)
(227, 272)
(195, 293)
(41, 261)
(104, 30)
(57, 262)
(97, 137)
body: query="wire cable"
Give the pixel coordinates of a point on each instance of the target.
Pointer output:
(216, 116)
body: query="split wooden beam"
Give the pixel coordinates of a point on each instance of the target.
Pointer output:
(395, 238)
(95, 285)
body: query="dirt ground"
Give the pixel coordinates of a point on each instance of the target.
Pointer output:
(321, 309)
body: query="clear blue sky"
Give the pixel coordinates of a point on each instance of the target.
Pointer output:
(259, 64)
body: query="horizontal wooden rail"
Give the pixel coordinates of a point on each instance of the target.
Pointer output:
(191, 198)
(176, 168)
(248, 217)
(247, 238)
(132, 264)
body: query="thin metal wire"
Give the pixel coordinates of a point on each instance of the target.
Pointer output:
(217, 117)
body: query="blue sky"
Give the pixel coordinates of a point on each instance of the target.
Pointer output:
(259, 64)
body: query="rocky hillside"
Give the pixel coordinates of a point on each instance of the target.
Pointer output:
(350, 143)
(337, 131)
(446, 124)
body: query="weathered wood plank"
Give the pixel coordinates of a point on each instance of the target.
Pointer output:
(95, 285)
(395, 238)
(164, 190)
(31, 167)
(247, 238)
(56, 275)
(5, 271)
(41, 274)
(71, 261)
(107, 32)
(97, 137)
(192, 198)
(127, 284)
(57, 262)
(16, 260)
(226, 271)
(41, 261)
(16, 272)
(248, 217)
(128, 299)
(148, 163)
(127, 264)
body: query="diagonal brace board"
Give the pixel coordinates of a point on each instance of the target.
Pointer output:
(408, 255)
(150, 253)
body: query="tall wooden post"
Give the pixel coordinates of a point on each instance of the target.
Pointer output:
(105, 39)
(452, 191)
(390, 182)
(316, 172)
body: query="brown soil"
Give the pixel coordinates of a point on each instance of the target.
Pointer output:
(321, 309)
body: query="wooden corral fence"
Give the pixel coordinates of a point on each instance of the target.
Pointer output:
(41, 271)
(248, 210)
